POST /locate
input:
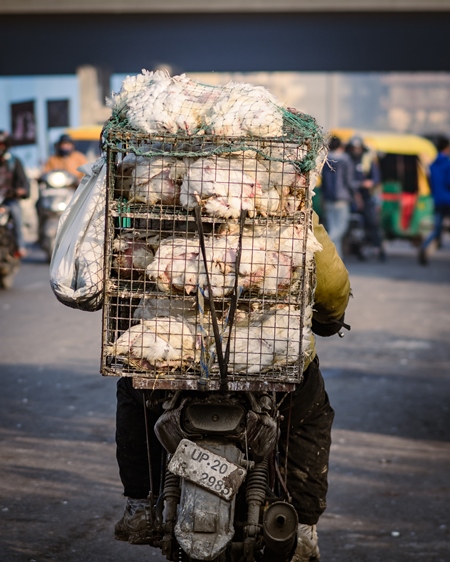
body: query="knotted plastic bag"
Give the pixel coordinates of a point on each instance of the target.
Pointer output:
(76, 267)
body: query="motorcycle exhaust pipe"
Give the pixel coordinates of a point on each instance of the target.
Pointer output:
(280, 527)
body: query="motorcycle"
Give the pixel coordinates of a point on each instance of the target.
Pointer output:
(355, 240)
(9, 256)
(221, 496)
(56, 189)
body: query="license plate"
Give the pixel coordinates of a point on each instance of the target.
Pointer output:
(206, 469)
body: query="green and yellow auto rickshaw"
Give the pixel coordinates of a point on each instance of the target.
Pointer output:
(405, 195)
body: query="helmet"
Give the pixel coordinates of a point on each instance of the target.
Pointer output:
(65, 138)
(357, 142)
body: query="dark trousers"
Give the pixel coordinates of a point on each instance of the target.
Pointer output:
(371, 218)
(131, 441)
(440, 213)
(310, 419)
(16, 213)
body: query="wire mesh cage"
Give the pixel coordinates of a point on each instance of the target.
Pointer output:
(209, 252)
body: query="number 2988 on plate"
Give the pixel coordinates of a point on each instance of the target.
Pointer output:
(206, 469)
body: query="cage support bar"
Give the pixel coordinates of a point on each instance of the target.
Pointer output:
(236, 293)
(223, 368)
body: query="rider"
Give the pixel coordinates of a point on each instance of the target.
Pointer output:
(366, 178)
(14, 181)
(309, 433)
(66, 157)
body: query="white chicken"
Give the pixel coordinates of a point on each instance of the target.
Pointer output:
(151, 307)
(245, 109)
(221, 260)
(268, 196)
(281, 327)
(268, 202)
(278, 275)
(176, 265)
(268, 339)
(132, 255)
(221, 186)
(252, 265)
(150, 180)
(287, 239)
(249, 351)
(155, 102)
(161, 341)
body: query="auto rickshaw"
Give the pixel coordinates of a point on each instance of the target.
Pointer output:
(406, 201)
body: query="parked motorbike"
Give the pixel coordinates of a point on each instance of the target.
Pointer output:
(56, 189)
(9, 256)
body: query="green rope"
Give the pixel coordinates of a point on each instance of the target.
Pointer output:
(299, 129)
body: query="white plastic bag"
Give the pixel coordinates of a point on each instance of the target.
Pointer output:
(76, 268)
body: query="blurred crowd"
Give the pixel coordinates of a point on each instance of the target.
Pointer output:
(359, 211)
(351, 184)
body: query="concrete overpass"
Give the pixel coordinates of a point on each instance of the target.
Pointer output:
(58, 36)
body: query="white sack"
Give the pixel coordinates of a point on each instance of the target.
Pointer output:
(76, 268)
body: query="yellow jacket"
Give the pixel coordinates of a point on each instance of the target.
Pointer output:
(332, 283)
(69, 163)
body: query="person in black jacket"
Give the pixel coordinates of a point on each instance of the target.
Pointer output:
(15, 185)
(337, 192)
(366, 178)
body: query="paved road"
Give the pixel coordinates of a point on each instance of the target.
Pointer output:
(388, 380)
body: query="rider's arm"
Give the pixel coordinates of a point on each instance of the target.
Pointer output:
(332, 286)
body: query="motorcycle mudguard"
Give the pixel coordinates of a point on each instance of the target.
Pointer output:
(205, 521)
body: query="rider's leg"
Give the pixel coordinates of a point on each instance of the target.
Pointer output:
(132, 458)
(16, 213)
(311, 418)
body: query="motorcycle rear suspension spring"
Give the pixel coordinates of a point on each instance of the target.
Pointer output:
(172, 489)
(256, 483)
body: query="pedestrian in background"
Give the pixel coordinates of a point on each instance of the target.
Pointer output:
(440, 190)
(366, 177)
(337, 192)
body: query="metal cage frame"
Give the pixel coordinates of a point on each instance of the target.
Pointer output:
(131, 219)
